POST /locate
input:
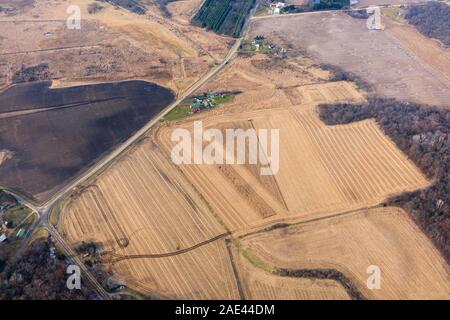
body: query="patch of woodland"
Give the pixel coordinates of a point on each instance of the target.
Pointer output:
(40, 274)
(163, 7)
(431, 19)
(94, 7)
(40, 72)
(358, 14)
(134, 6)
(224, 16)
(329, 274)
(11, 8)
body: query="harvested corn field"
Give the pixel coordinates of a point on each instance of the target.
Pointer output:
(326, 93)
(323, 170)
(204, 273)
(145, 200)
(411, 268)
(149, 219)
(337, 170)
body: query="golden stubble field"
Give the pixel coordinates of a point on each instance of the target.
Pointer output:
(324, 170)
(203, 273)
(411, 267)
(157, 232)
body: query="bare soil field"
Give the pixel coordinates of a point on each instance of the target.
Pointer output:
(54, 134)
(379, 58)
(411, 268)
(429, 50)
(111, 45)
(261, 285)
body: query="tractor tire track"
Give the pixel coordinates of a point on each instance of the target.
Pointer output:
(117, 258)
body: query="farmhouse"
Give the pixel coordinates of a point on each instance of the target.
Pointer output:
(21, 233)
(275, 8)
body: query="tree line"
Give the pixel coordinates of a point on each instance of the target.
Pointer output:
(39, 274)
(224, 16)
(431, 19)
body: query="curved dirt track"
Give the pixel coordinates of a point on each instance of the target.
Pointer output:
(116, 258)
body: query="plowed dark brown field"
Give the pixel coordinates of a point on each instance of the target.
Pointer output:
(53, 134)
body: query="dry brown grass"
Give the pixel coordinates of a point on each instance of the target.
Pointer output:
(3, 156)
(297, 2)
(265, 73)
(112, 45)
(184, 10)
(367, 3)
(411, 268)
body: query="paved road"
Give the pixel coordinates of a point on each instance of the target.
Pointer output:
(77, 261)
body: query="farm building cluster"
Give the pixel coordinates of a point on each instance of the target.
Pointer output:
(258, 44)
(275, 7)
(205, 102)
(12, 218)
(7, 230)
(279, 7)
